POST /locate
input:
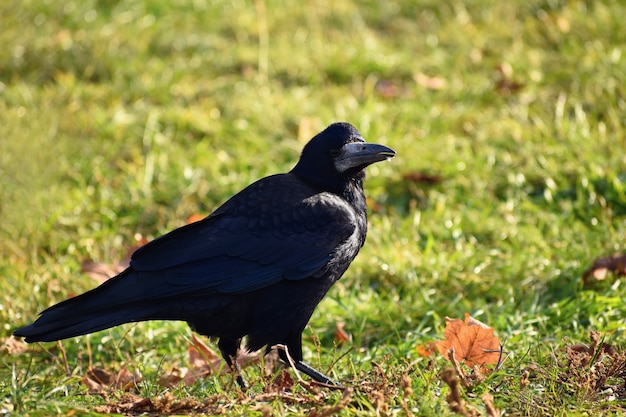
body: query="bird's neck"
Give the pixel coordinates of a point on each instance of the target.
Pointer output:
(353, 194)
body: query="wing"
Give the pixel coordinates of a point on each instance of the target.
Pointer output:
(278, 228)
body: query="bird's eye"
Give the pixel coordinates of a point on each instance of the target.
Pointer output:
(335, 153)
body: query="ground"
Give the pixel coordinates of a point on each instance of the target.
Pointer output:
(119, 120)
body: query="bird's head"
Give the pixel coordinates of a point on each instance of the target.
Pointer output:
(337, 155)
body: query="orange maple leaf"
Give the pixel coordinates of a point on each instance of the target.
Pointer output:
(473, 342)
(427, 349)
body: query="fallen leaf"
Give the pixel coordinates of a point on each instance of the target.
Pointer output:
(473, 342)
(13, 346)
(103, 271)
(283, 382)
(602, 267)
(426, 349)
(173, 377)
(196, 217)
(422, 177)
(165, 404)
(341, 335)
(203, 361)
(99, 380)
(594, 352)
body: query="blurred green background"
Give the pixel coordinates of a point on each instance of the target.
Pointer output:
(120, 118)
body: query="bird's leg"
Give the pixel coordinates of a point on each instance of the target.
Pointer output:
(314, 373)
(229, 348)
(292, 355)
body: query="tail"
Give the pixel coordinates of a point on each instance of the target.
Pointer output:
(120, 300)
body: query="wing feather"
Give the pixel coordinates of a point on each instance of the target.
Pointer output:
(258, 238)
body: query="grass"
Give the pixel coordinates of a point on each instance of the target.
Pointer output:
(119, 118)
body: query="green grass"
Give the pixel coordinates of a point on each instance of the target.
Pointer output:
(118, 118)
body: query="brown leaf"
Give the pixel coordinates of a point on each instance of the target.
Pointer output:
(584, 354)
(341, 335)
(173, 377)
(125, 380)
(283, 382)
(99, 380)
(13, 346)
(196, 217)
(94, 387)
(165, 404)
(204, 361)
(472, 341)
(426, 349)
(601, 268)
(422, 177)
(103, 271)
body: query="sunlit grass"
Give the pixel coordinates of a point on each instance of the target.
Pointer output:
(119, 118)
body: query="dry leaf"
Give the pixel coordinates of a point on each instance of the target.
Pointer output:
(173, 377)
(283, 382)
(165, 404)
(99, 380)
(196, 217)
(203, 361)
(421, 177)
(341, 335)
(102, 271)
(473, 342)
(584, 354)
(603, 266)
(426, 349)
(13, 346)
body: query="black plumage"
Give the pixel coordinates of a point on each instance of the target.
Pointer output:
(256, 267)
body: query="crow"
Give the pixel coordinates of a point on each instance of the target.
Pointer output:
(256, 267)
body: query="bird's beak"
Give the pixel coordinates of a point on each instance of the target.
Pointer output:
(361, 154)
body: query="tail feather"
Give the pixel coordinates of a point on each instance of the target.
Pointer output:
(66, 327)
(108, 305)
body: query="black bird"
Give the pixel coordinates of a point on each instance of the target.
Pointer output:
(256, 267)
